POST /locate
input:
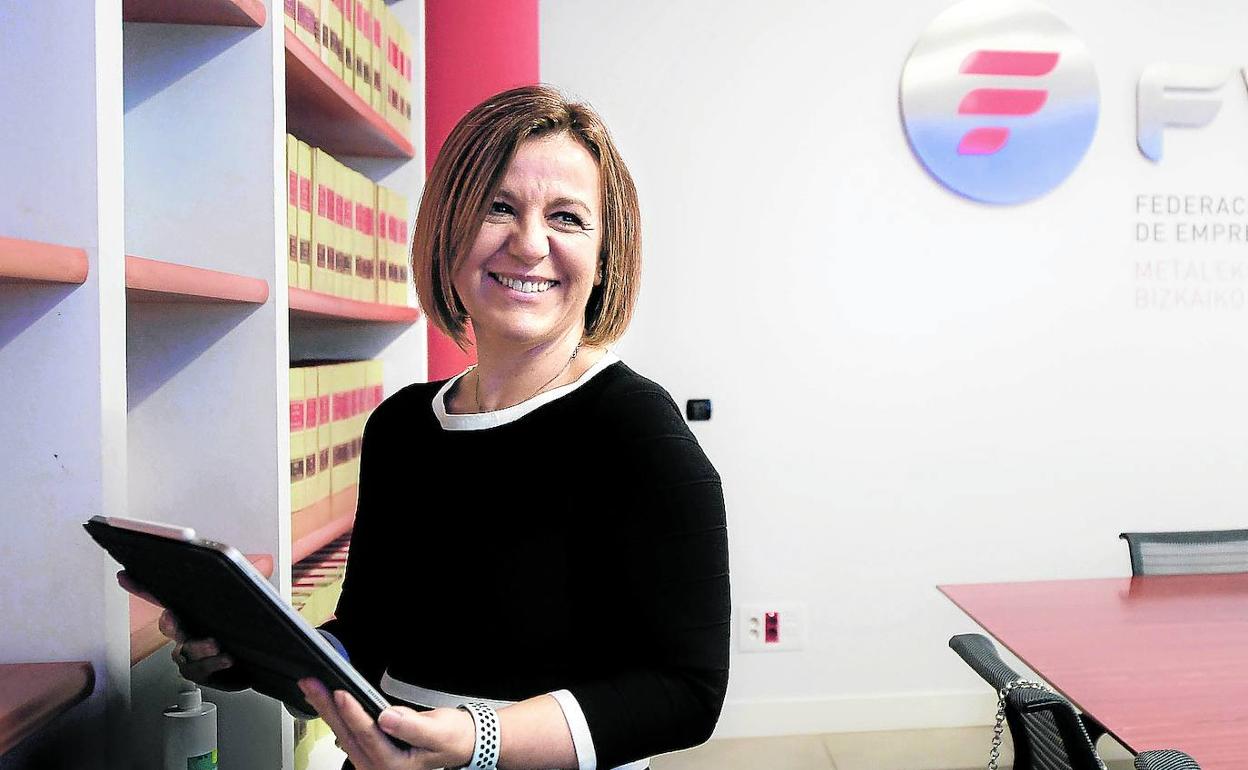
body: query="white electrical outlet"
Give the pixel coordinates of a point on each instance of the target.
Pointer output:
(774, 627)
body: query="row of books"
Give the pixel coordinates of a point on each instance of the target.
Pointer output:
(362, 43)
(329, 404)
(316, 584)
(346, 235)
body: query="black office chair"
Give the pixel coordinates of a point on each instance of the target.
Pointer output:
(1048, 733)
(1188, 553)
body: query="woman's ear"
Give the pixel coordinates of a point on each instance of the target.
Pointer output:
(598, 278)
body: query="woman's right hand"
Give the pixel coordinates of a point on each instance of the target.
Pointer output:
(197, 659)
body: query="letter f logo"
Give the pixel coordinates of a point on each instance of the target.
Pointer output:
(1175, 95)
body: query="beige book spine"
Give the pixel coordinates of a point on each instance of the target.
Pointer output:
(376, 384)
(363, 261)
(391, 45)
(322, 223)
(336, 36)
(363, 51)
(324, 443)
(311, 432)
(405, 83)
(292, 211)
(304, 215)
(340, 427)
(348, 43)
(308, 23)
(353, 204)
(359, 378)
(297, 474)
(378, 55)
(340, 258)
(382, 285)
(400, 289)
(374, 252)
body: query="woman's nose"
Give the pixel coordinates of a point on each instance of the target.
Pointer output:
(528, 240)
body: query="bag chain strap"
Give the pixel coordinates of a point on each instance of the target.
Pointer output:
(994, 754)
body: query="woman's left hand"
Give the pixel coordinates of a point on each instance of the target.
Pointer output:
(438, 738)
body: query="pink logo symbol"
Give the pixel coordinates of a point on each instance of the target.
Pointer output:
(987, 140)
(999, 100)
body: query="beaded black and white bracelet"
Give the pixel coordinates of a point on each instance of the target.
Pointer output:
(488, 736)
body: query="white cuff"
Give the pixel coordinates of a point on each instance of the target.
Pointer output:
(586, 757)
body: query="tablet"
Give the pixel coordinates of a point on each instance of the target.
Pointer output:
(216, 592)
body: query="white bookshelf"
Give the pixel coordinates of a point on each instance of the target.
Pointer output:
(165, 142)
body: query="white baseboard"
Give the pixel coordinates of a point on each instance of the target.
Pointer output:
(917, 711)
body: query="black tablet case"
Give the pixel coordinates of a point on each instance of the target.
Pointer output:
(212, 597)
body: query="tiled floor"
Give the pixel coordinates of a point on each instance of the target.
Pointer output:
(964, 748)
(952, 749)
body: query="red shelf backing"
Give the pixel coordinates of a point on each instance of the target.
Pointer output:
(221, 13)
(314, 303)
(145, 636)
(319, 524)
(22, 260)
(32, 694)
(149, 280)
(325, 112)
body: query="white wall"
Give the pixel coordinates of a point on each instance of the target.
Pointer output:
(912, 389)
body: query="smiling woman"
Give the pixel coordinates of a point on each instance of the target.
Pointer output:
(553, 592)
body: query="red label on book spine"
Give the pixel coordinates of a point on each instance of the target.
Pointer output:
(296, 416)
(305, 193)
(341, 402)
(310, 412)
(320, 200)
(324, 408)
(292, 188)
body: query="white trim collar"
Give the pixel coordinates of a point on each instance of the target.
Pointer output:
(483, 420)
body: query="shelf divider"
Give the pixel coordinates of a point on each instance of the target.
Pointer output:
(145, 635)
(150, 280)
(22, 260)
(219, 13)
(319, 524)
(311, 303)
(33, 694)
(324, 111)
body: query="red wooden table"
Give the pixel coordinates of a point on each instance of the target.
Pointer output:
(1161, 662)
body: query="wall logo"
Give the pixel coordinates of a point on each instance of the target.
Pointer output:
(999, 100)
(1176, 95)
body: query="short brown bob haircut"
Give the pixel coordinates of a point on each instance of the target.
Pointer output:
(466, 176)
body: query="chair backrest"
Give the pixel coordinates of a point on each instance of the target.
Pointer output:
(1046, 729)
(1187, 553)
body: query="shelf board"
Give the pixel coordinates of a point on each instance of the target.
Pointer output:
(319, 524)
(32, 694)
(145, 635)
(311, 303)
(24, 261)
(325, 112)
(218, 13)
(149, 280)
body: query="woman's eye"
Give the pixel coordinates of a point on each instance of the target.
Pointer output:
(498, 208)
(569, 219)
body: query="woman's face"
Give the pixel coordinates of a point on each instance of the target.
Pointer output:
(529, 274)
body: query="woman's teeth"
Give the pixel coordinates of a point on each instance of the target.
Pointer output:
(526, 287)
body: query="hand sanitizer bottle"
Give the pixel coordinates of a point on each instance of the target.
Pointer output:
(191, 732)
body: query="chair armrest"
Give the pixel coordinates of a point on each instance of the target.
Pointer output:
(1165, 759)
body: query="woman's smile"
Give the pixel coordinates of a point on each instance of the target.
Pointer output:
(524, 284)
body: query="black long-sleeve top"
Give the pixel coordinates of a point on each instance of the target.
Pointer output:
(581, 546)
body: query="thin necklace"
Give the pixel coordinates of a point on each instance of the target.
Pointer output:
(476, 381)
